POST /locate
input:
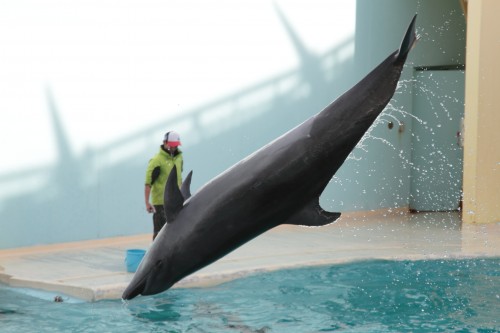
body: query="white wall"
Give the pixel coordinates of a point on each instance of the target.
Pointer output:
(87, 89)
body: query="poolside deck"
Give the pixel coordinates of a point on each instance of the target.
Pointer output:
(94, 270)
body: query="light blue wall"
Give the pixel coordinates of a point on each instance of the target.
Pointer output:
(97, 191)
(378, 175)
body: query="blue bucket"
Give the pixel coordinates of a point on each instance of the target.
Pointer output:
(133, 259)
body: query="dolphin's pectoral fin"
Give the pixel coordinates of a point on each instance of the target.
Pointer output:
(186, 186)
(172, 198)
(313, 215)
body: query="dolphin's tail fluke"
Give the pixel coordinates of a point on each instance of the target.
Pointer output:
(408, 42)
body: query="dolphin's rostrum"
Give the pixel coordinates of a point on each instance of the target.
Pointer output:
(279, 184)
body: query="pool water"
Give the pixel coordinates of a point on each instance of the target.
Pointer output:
(368, 296)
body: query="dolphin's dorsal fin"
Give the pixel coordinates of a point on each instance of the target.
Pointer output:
(172, 198)
(186, 186)
(312, 215)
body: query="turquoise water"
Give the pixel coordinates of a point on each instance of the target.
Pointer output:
(370, 296)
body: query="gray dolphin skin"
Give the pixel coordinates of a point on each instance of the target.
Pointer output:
(278, 184)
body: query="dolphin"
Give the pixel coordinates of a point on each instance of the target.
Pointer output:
(278, 184)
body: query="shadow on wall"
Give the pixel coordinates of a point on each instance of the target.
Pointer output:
(100, 194)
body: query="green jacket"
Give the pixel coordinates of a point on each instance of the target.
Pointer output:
(164, 162)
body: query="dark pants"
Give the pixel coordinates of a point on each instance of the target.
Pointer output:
(159, 220)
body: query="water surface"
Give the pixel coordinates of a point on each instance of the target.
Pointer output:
(368, 296)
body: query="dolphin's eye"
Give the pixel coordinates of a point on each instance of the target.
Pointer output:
(158, 263)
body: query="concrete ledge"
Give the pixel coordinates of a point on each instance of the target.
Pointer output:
(95, 270)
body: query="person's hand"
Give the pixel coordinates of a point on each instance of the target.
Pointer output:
(150, 208)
